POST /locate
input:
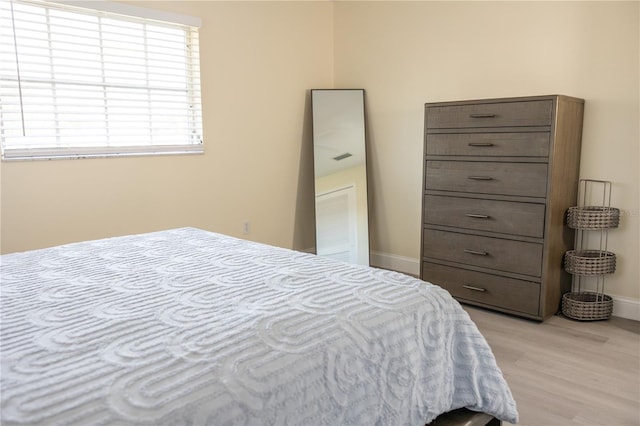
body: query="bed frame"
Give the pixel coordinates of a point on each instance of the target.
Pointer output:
(464, 417)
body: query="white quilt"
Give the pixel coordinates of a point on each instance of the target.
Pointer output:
(188, 327)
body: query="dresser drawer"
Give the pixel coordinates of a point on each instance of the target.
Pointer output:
(523, 179)
(507, 217)
(519, 257)
(489, 144)
(488, 289)
(499, 114)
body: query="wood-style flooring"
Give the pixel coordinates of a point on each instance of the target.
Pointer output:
(566, 372)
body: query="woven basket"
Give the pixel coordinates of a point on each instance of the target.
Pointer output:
(593, 217)
(589, 262)
(587, 306)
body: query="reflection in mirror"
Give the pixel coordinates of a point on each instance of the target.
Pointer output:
(340, 173)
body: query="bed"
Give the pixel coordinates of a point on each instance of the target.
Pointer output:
(190, 327)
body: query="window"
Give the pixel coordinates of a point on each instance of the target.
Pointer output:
(78, 82)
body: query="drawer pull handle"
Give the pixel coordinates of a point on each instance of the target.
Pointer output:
(482, 115)
(474, 288)
(480, 177)
(480, 144)
(477, 216)
(479, 253)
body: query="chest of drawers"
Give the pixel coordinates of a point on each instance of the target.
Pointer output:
(499, 175)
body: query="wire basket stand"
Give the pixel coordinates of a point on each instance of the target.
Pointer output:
(590, 264)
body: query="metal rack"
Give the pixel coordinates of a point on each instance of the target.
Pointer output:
(590, 265)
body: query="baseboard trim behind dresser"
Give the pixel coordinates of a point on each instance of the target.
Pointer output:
(394, 262)
(623, 307)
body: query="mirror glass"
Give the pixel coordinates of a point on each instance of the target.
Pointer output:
(340, 174)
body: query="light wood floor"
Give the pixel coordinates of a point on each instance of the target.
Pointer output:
(565, 372)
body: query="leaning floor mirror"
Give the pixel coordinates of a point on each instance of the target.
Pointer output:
(340, 174)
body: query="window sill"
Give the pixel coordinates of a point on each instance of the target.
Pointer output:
(44, 155)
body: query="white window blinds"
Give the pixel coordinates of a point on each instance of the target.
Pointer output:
(81, 82)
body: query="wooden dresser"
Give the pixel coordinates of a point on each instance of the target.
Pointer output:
(499, 175)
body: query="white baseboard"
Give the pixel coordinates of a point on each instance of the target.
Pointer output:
(623, 307)
(408, 265)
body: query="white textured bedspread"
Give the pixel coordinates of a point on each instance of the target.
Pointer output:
(187, 327)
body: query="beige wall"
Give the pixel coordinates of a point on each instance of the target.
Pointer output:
(260, 58)
(258, 62)
(407, 53)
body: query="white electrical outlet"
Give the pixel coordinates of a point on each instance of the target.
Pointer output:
(245, 227)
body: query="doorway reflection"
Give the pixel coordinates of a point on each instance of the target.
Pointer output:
(340, 174)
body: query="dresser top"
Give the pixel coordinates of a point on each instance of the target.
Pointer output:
(563, 98)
